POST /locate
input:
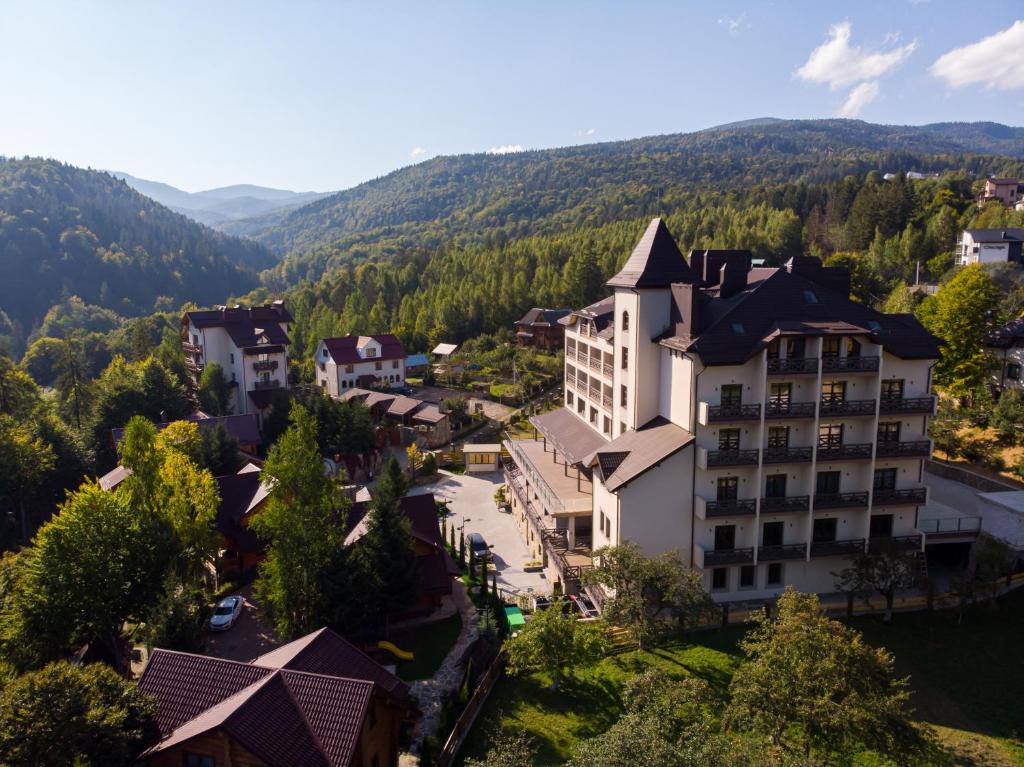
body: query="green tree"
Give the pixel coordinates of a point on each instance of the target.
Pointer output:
(214, 392)
(66, 714)
(555, 644)
(509, 748)
(301, 523)
(1008, 416)
(219, 451)
(885, 569)
(26, 462)
(814, 686)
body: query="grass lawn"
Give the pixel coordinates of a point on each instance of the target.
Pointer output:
(967, 681)
(430, 644)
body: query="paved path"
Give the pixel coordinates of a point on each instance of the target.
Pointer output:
(249, 637)
(471, 498)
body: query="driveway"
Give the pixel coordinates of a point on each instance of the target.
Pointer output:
(249, 637)
(471, 499)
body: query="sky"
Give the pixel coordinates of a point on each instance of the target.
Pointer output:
(321, 96)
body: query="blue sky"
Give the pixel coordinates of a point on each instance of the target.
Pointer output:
(305, 95)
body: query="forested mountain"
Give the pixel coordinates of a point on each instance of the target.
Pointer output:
(65, 231)
(515, 195)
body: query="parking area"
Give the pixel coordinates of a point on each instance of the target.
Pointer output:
(471, 500)
(249, 637)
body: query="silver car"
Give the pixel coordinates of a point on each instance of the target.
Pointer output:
(225, 614)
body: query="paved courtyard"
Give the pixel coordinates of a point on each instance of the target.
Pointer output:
(471, 499)
(438, 394)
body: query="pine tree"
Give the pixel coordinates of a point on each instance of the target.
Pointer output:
(462, 548)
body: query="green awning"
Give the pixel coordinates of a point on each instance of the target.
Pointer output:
(514, 618)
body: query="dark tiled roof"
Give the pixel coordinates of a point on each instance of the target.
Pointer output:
(1008, 335)
(568, 434)
(538, 316)
(1007, 234)
(600, 313)
(245, 428)
(429, 414)
(247, 326)
(655, 262)
(240, 494)
(345, 350)
(631, 454)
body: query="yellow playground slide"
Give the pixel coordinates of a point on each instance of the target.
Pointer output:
(398, 653)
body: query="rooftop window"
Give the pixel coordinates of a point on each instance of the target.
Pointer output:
(810, 297)
(738, 329)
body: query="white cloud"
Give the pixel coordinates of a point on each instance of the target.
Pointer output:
(417, 151)
(588, 132)
(505, 149)
(997, 62)
(859, 98)
(734, 23)
(839, 64)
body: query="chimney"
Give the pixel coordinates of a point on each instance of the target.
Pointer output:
(732, 278)
(697, 263)
(686, 309)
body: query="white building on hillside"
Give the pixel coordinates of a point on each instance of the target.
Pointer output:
(990, 246)
(359, 362)
(249, 343)
(755, 420)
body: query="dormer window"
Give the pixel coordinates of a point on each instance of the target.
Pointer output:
(625, 320)
(810, 297)
(738, 329)
(371, 352)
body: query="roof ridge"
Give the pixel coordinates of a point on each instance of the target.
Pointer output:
(302, 713)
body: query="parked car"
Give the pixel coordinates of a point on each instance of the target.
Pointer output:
(478, 546)
(225, 614)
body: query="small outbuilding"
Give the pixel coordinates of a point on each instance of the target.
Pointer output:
(482, 457)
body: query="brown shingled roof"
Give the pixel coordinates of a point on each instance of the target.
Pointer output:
(655, 262)
(631, 454)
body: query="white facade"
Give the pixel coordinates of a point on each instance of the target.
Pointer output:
(358, 364)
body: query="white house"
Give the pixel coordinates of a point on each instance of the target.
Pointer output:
(754, 420)
(1008, 191)
(359, 362)
(249, 343)
(990, 246)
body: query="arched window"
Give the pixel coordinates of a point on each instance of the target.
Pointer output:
(625, 320)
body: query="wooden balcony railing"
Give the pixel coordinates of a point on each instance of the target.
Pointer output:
(849, 452)
(916, 449)
(732, 458)
(849, 364)
(786, 409)
(715, 557)
(910, 496)
(835, 406)
(908, 405)
(793, 366)
(787, 454)
(840, 500)
(778, 553)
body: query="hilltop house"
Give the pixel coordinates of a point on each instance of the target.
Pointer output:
(990, 246)
(316, 701)
(1008, 191)
(755, 420)
(541, 329)
(249, 344)
(363, 361)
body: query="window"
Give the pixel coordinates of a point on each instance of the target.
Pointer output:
(889, 431)
(622, 427)
(197, 760)
(322, 367)
(810, 297)
(593, 415)
(625, 320)
(394, 364)
(568, 397)
(779, 395)
(195, 339)
(728, 488)
(830, 346)
(747, 577)
(581, 406)
(325, 352)
(830, 436)
(378, 365)
(773, 350)
(771, 533)
(775, 486)
(795, 348)
(824, 530)
(725, 537)
(881, 526)
(827, 483)
(370, 352)
(606, 425)
(852, 347)
(885, 479)
(778, 436)
(1013, 371)
(625, 358)
(729, 439)
(732, 396)
(344, 384)
(774, 575)
(833, 391)
(622, 395)
(720, 579)
(892, 389)
(349, 369)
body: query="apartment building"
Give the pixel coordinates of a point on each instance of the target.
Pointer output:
(755, 420)
(360, 361)
(249, 343)
(990, 246)
(1008, 191)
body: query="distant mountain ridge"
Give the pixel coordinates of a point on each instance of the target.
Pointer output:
(215, 207)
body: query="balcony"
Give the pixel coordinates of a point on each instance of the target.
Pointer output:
(908, 406)
(271, 384)
(849, 365)
(906, 542)
(914, 496)
(726, 413)
(734, 508)
(606, 401)
(191, 348)
(847, 407)
(264, 365)
(851, 452)
(779, 553)
(717, 458)
(840, 501)
(716, 557)
(793, 366)
(789, 504)
(785, 409)
(775, 455)
(916, 449)
(949, 527)
(847, 548)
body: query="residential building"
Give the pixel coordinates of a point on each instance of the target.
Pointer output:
(244, 428)
(431, 426)
(316, 701)
(1007, 348)
(754, 420)
(990, 246)
(363, 361)
(1008, 191)
(249, 343)
(242, 496)
(541, 329)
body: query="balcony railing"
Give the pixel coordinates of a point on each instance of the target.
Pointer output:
(916, 449)
(731, 508)
(191, 348)
(848, 452)
(909, 496)
(837, 548)
(792, 366)
(830, 406)
(606, 369)
(950, 526)
(606, 401)
(791, 503)
(732, 458)
(908, 542)
(789, 410)
(785, 551)
(715, 557)
(261, 365)
(787, 454)
(840, 500)
(271, 384)
(734, 413)
(849, 364)
(908, 405)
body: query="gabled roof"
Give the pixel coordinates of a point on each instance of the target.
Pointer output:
(1006, 234)
(240, 495)
(429, 414)
(568, 434)
(246, 326)
(631, 454)
(538, 316)
(402, 405)
(655, 262)
(1008, 335)
(600, 313)
(114, 477)
(345, 350)
(368, 397)
(444, 349)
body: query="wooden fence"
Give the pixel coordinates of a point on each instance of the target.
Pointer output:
(468, 716)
